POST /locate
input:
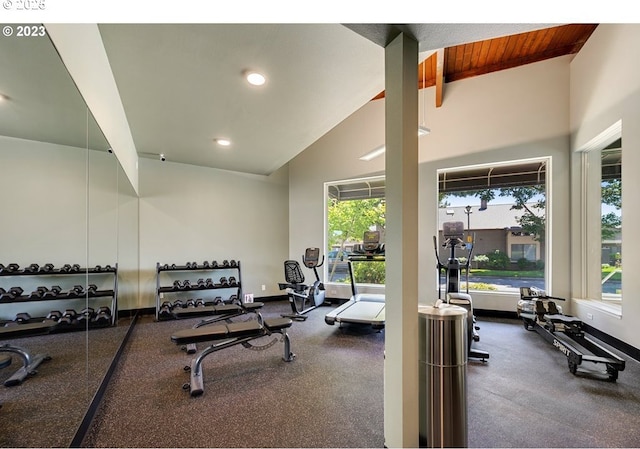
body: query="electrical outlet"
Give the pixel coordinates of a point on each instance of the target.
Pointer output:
(264, 287)
(590, 316)
(248, 297)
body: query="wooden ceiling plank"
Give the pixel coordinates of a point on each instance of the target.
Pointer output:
(440, 62)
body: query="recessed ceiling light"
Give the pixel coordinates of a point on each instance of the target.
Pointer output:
(255, 78)
(3, 97)
(223, 142)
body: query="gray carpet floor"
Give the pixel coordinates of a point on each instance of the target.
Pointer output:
(331, 395)
(46, 409)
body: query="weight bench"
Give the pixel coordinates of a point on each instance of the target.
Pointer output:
(231, 334)
(30, 363)
(225, 312)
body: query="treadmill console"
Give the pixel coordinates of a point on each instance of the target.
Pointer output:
(371, 240)
(369, 248)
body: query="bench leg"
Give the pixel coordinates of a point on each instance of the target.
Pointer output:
(288, 355)
(196, 385)
(29, 367)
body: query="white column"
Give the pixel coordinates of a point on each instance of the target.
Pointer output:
(401, 311)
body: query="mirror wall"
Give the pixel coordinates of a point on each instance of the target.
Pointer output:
(65, 200)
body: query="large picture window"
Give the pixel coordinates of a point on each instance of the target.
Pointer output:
(602, 221)
(353, 207)
(503, 209)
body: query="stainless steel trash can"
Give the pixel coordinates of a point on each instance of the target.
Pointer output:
(443, 375)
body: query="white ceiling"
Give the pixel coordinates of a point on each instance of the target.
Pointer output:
(181, 85)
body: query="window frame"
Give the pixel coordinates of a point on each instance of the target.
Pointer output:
(548, 246)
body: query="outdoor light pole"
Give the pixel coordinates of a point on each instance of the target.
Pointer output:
(467, 210)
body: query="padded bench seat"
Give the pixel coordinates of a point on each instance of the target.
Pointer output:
(229, 330)
(23, 330)
(230, 334)
(564, 319)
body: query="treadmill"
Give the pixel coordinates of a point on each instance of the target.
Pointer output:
(362, 308)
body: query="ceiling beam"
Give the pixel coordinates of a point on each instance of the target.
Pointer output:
(439, 76)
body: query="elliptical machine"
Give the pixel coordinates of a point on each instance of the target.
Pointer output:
(300, 294)
(453, 232)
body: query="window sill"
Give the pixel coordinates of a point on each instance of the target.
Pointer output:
(612, 310)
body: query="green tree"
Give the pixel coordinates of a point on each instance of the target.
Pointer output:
(529, 199)
(611, 192)
(348, 220)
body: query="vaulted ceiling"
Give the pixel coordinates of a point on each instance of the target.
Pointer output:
(181, 85)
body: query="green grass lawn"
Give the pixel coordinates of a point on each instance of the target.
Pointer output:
(534, 273)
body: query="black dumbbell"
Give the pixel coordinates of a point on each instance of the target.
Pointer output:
(103, 316)
(186, 284)
(97, 268)
(68, 317)
(165, 311)
(233, 263)
(22, 318)
(4, 294)
(47, 268)
(209, 283)
(206, 264)
(75, 291)
(225, 263)
(16, 292)
(224, 281)
(54, 315)
(50, 293)
(177, 284)
(177, 304)
(33, 268)
(214, 264)
(92, 289)
(218, 300)
(200, 302)
(13, 267)
(75, 267)
(85, 315)
(36, 294)
(190, 303)
(232, 281)
(65, 268)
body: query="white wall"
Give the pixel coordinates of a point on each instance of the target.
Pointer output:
(605, 88)
(522, 112)
(193, 214)
(59, 206)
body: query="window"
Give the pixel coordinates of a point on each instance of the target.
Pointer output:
(353, 207)
(523, 251)
(502, 207)
(601, 217)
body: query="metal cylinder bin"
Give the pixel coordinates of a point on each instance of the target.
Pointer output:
(443, 375)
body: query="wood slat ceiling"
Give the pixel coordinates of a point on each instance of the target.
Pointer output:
(479, 58)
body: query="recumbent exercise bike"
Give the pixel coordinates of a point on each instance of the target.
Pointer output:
(303, 298)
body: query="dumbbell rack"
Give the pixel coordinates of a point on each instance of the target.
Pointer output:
(75, 274)
(192, 268)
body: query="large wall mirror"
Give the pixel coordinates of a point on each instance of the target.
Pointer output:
(69, 224)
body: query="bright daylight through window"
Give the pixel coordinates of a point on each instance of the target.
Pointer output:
(353, 207)
(611, 222)
(503, 211)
